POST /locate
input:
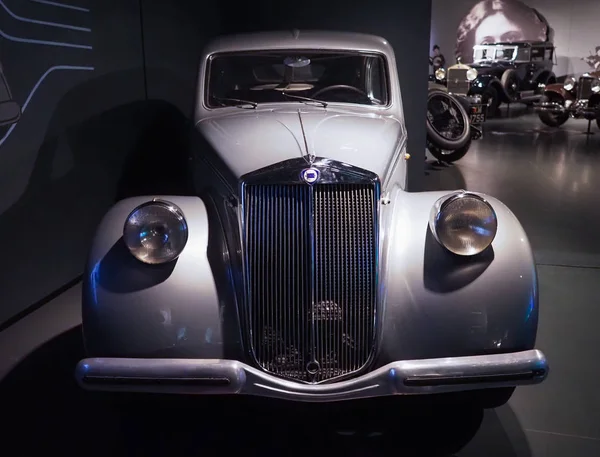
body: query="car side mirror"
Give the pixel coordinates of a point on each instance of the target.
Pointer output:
(10, 112)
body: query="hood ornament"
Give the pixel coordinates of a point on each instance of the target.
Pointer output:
(310, 158)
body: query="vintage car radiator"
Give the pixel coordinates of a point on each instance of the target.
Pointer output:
(584, 90)
(457, 82)
(310, 266)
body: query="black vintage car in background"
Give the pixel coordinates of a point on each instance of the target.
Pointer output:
(508, 73)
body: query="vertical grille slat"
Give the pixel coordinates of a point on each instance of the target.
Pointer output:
(584, 90)
(311, 284)
(457, 82)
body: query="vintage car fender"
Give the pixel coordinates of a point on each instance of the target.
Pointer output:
(438, 303)
(131, 309)
(560, 90)
(434, 304)
(482, 82)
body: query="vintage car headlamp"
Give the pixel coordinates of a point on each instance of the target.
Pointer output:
(471, 74)
(156, 232)
(464, 223)
(440, 73)
(596, 86)
(569, 83)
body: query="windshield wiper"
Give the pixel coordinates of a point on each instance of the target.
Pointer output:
(305, 99)
(240, 103)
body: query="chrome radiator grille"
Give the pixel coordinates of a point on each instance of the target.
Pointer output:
(310, 258)
(584, 90)
(457, 81)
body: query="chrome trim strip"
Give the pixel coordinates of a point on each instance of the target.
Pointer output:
(193, 376)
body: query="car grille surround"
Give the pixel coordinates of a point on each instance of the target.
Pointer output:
(584, 88)
(457, 82)
(310, 267)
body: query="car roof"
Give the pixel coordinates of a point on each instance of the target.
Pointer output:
(295, 39)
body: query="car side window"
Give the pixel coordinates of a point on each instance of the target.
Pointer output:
(523, 55)
(548, 53)
(537, 54)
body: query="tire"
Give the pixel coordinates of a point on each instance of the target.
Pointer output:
(494, 398)
(551, 119)
(509, 78)
(454, 115)
(491, 95)
(449, 156)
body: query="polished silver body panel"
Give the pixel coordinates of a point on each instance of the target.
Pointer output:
(461, 323)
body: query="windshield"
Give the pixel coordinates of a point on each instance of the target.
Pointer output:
(250, 78)
(494, 53)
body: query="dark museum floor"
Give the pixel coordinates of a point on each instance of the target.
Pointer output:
(546, 177)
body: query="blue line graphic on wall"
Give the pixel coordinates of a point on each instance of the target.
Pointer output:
(45, 23)
(61, 5)
(36, 87)
(8, 37)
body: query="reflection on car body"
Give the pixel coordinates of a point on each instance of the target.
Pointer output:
(302, 268)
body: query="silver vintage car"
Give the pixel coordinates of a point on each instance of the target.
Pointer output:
(301, 268)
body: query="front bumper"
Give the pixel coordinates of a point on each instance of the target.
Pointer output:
(576, 110)
(216, 377)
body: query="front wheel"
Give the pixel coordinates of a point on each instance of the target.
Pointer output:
(448, 156)
(552, 119)
(447, 121)
(492, 98)
(510, 83)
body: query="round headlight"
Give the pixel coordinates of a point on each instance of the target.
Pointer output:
(471, 74)
(596, 86)
(156, 232)
(464, 223)
(440, 73)
(569, 83)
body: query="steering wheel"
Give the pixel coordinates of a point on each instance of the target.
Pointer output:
(339, 87)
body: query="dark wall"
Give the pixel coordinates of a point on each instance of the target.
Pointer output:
(106, 89)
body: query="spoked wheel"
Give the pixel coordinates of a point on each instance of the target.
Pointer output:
(510, 83)
(447, 121)
(448, 156)
(549, 118)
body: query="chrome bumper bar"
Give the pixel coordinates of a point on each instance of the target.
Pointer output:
(549, 107)
(216, 377)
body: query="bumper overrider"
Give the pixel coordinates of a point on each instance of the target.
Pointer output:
(217, 377)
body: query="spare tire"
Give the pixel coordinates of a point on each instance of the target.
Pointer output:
(448, 125)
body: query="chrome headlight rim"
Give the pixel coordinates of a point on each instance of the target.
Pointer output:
(440, 74)
(179, 217)
(472, 74)
(569, 83)
(441, 204)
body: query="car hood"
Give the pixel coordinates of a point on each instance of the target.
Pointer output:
(252, 139)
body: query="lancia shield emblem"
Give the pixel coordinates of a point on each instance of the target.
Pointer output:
(310, 175)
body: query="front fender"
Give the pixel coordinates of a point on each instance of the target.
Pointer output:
(482, 82)
(436, 304)
(131, 309)
(558, 89)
